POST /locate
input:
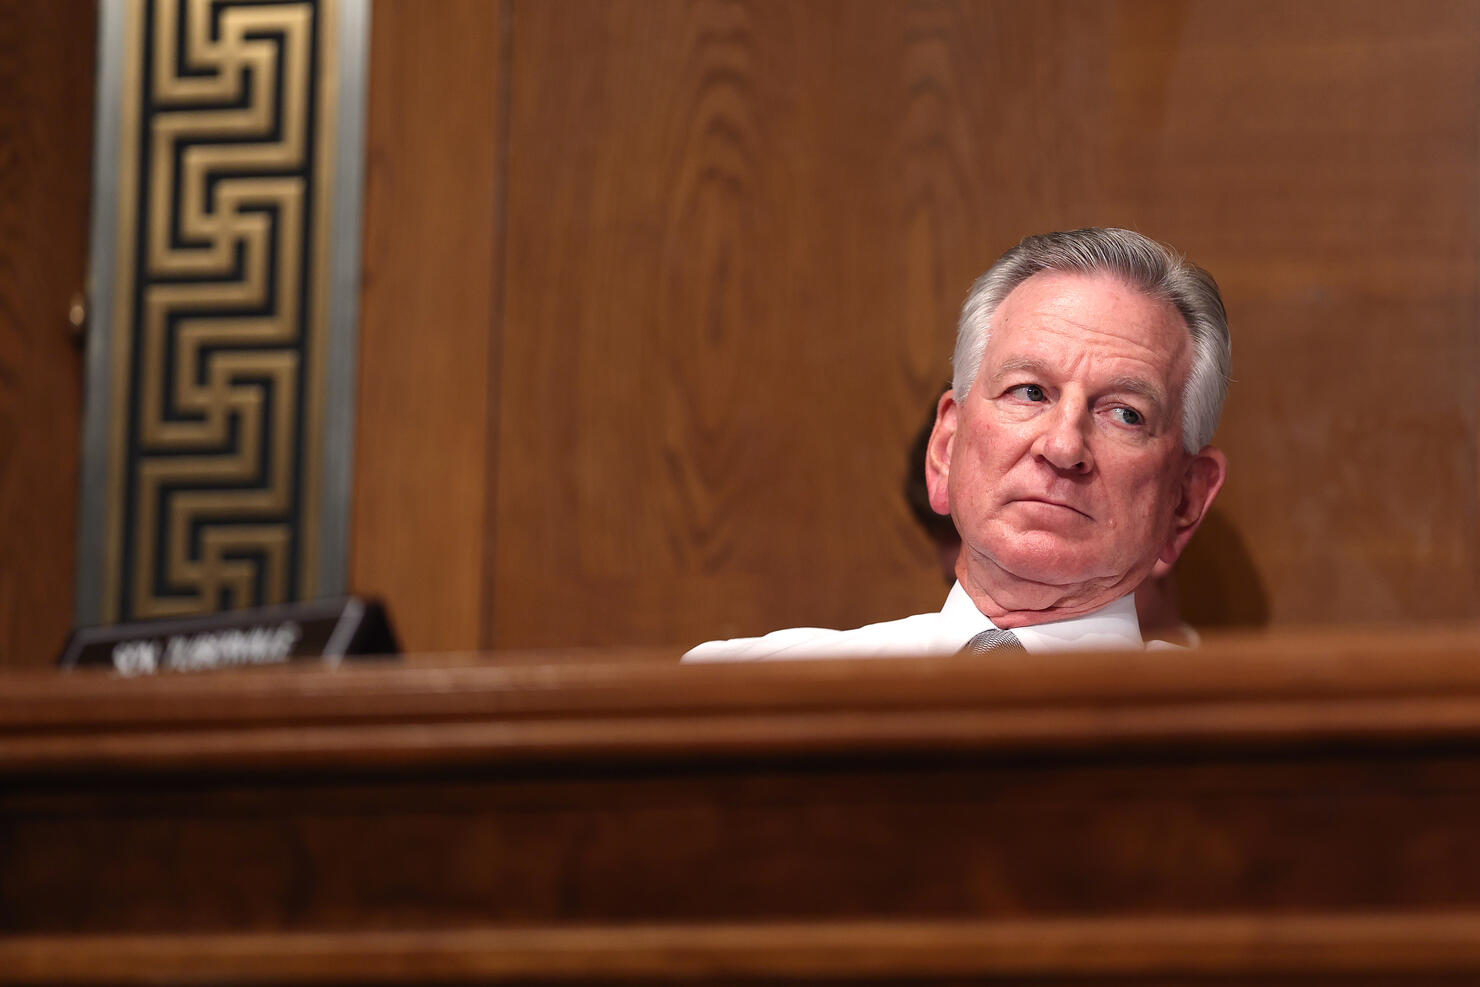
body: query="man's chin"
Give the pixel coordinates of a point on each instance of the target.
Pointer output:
(1052, 562)
(1024, 588)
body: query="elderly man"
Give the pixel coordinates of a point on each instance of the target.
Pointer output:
(1071, 451)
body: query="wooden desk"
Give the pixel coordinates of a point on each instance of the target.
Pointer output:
(1295, 809)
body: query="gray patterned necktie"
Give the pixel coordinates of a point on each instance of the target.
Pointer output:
(993, 640)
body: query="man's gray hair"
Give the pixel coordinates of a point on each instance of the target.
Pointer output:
(1143, 264)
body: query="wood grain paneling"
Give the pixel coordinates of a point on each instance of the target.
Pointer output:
(1320, 159)
(737, 234)
(1262, 812)
(428, 315)
(710, 381)
(1144, 951)
(46, 108)
(770, 232)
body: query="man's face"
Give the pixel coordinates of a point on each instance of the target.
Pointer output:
(1063, 467)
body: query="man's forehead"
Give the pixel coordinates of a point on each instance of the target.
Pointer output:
(1097, 311)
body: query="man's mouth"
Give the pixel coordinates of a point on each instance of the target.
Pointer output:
(1054, 503)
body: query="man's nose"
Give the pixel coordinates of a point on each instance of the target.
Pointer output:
(1064, 441)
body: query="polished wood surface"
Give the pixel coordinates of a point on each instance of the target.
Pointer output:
(1294, 688)
(46, 110)
(1291, 809)
(734, 237)
(1315, 156)
(711, 371)
(429, 322)
(1367, 950)
(657, 291)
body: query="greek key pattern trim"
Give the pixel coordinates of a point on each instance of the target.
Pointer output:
(219, 330)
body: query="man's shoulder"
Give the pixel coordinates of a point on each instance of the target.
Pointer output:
(1111, 628)
(908, 636)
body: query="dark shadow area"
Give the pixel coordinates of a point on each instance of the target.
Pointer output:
(1217, 583)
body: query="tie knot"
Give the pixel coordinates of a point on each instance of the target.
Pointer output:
(993, 640)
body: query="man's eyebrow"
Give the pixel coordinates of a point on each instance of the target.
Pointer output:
(1021, 364)
(1033, 367)
(1140, 386)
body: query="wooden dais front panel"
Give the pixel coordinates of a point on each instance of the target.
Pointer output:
(1299, 809)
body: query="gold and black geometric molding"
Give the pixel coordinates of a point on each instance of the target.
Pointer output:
(219, 349)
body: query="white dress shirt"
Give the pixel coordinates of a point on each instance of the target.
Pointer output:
(1112, 627)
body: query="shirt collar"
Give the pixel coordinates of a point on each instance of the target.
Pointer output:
(1113, 627)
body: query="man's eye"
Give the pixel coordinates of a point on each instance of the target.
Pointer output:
(1029, 392)
(1127, 416)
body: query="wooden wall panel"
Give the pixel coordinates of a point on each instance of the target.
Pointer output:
(1321, 159)
(737, 236)
(713, 359)
(1255, 815)
(428, 328)
(46, 108)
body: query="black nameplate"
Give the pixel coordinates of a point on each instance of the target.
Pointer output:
(326, 630)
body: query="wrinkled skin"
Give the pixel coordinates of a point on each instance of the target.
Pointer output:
(1063, 466)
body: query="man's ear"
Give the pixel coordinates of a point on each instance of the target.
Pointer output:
(1201, 482)
(938, 454)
